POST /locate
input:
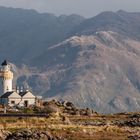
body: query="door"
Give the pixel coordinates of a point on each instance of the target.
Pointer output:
(26, 103)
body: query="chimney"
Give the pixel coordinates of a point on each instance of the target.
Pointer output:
(27, 88)
(17, 89)
(21, 89)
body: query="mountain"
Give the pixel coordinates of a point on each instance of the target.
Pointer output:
(98, 67)
(91, 62)
(122, 22)
(99, 71)
(22, 31)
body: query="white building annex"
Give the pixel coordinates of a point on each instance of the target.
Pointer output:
(13, 97)
(27, 98)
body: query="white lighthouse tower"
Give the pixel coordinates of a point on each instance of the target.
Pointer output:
(7, 76)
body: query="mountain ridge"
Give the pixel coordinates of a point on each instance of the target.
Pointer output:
(125, 23)
(101, 75)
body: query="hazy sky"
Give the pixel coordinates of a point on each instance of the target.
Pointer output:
(86, 8)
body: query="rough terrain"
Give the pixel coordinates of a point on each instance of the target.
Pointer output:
(66, 122)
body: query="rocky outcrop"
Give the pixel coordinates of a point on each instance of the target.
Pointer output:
(31, 135)
(65, 107)
(131, 123)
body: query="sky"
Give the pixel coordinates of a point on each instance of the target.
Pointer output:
(86, 8)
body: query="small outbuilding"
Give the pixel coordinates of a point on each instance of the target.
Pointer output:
(13, 98)
(27, 99)
(10, 98)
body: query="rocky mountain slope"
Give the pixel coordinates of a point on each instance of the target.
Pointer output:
(99, 71)
(91, 62)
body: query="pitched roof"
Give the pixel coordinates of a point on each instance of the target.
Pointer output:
(7, 94)
(23, 93)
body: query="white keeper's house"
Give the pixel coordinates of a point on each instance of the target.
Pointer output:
(13, 97)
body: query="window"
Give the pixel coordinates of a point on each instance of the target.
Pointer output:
(12, 102)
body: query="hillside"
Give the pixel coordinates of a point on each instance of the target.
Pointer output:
(100, 71)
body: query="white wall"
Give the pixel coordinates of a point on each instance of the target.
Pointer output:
(14, 97)
(16, 100)
(31, 101)
(7, 85)
(29, 97)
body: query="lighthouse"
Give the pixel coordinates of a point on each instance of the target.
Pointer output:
(10, 96)
(7, 76)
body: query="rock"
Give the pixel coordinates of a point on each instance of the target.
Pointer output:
(31, 135)
(66, 120)
(49, 135)
(88, 112)
(135, 137)
(76, 112)
(135, 116)
(4, 134)
(131, 123)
